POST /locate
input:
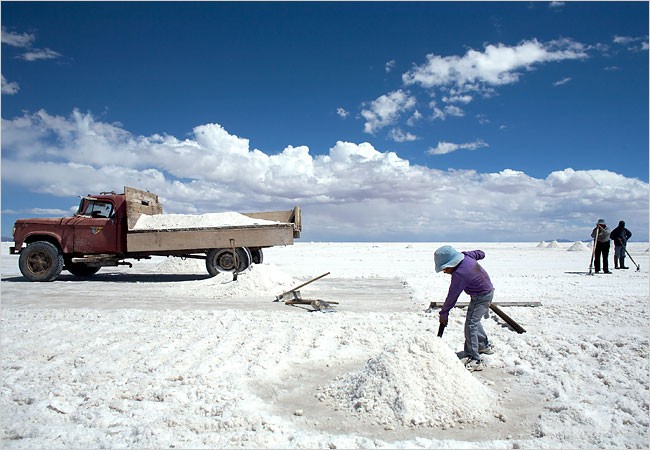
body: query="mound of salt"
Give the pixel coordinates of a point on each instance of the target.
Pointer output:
(553, 244)
(578, 247)
(542, 244)
(421, 383)
(179, 265)
(260, 280)
(185, 221)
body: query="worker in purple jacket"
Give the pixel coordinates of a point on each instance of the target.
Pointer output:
(467, 275)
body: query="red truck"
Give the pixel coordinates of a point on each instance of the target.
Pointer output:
(104, 232)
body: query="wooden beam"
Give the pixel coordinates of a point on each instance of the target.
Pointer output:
(464, 304)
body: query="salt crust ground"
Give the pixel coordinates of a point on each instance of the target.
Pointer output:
(163, 356)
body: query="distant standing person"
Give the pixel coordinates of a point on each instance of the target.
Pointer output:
(602, 245)
(467, 275)
(620, 236)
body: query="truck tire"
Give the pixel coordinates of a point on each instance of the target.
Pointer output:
(80, 269)
(257, 255)
(222, 260)
(41, 261)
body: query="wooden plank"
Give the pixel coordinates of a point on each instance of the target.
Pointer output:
(294, 216)
(291, 291)
(203, 239)
(140, 202)
(515, 326)
(464, 304)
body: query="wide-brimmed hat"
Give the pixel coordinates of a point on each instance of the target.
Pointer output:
(447, 256)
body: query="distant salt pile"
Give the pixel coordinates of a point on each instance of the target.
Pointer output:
(578, 247)
(183, 221)
(418, 383)
(553, 244)
(542, 244)
(261, 280)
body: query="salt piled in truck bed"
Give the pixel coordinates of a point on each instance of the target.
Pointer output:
(189, 221)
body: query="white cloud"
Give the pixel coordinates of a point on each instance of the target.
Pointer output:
(390, 65)
(453, 110)
(353, 191)
(415, 117)
(386, 109)
(448, 147)
(9, 88)
(495, 66)
(38, 54)
(23, 40)
(465, 99)
(633, 44)
(341, 112)
(562, 81)
(556, 5)
(397, 135)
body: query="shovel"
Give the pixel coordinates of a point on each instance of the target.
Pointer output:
(638, 267)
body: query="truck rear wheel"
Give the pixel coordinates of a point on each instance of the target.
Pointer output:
(41, 261)
(223, 260)
(257, 255)
(80, 269)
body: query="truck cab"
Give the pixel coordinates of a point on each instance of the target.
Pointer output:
(97, 225)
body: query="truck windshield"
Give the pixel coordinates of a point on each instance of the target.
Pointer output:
(95, 208)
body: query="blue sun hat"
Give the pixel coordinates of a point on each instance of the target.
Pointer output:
(447, 256)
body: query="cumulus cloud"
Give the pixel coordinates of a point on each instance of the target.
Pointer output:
(386, 109)
(448, 147)
(349, 191)
(390, 65)
(341, 112)
(462, 78)
(496, 65)
(9, 88)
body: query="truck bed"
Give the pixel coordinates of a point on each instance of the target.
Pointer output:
(263, 229)
(201, 239)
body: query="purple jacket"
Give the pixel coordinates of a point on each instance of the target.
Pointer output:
(470, 277)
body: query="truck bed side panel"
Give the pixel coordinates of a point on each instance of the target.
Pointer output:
(203, 239)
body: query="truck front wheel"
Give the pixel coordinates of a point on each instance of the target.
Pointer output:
(40, 261)
(223, 260)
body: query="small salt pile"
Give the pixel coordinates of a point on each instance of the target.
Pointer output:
(578, 247)
(416, 383)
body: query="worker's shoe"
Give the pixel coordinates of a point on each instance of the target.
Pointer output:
(489, 350)
(474, 365)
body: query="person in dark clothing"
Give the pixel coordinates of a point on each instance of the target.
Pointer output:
(620, 236)
(602, 245)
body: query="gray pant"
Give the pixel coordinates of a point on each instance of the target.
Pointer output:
(619, 251)
(475, 336)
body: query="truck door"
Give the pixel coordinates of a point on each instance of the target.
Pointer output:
(95, 228)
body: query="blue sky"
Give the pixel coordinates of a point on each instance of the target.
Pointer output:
(433, 121)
